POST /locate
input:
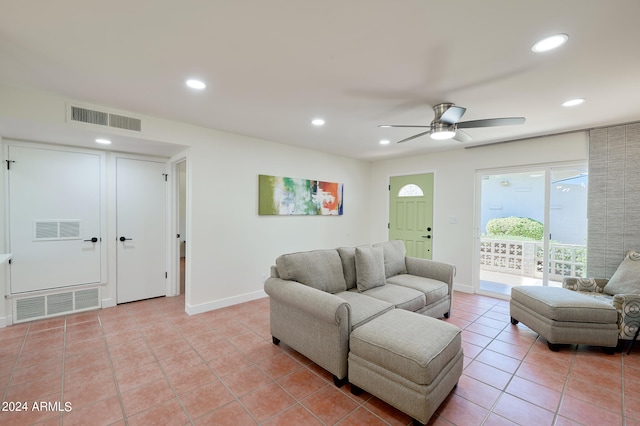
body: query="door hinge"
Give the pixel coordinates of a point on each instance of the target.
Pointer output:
(9, 164)
(166, 275)
(388, 225)
(389, 187)
(9, 261)
(165, 176)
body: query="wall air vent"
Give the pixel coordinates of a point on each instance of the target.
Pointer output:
(78, 114)
(90, 116)
(55, 230)
(54, 304)
(127, 123)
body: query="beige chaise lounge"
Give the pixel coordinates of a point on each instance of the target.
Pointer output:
(588, 311)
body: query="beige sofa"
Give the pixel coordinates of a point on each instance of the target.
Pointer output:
(318, 297)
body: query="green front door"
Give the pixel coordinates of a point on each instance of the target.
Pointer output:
(411, 213)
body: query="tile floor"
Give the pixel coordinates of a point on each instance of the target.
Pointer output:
(148, 363)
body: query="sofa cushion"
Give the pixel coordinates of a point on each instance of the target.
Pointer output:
(363, 308)
(411, 345)
(433, 290)
(394, 253)
(401, 297)
(369, 267)
(561, 304)
(626, 279)
(320, 269)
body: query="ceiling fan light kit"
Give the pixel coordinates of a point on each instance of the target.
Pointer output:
(441, 131)
(447, 121)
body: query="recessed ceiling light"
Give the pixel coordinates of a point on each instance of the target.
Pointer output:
(385, 142)
(573, 102)
(103, 141)
(196, 84)
(550, 43)
(318, 122)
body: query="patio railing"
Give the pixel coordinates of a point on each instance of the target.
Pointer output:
(526, 258)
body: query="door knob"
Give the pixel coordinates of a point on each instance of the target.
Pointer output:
(125, 239)
(93, 240)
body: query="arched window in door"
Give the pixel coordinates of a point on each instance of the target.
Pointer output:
(410, 190)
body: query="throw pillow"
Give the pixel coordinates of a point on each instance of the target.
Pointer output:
(320, 269)
(369, 268)
(348, 258)
(626, 279)
(394, 253)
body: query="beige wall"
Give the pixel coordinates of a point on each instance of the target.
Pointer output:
(232, 247)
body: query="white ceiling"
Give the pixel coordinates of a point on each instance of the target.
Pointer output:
(273, 66)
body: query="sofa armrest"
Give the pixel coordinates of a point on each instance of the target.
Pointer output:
(594, 285)
(627, 306)
(431, 269)
(319, 304)
(314, 323)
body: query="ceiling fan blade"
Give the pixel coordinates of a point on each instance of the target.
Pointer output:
(415, 136)
(462, 136)
(491, 122)
(452, 115)
(400, 125)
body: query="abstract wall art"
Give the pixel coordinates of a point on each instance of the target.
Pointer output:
(290, 196)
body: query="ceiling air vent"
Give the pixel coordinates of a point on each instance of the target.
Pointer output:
(103, 118)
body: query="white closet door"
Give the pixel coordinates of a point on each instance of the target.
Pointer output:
(141, 210)
(54, 218)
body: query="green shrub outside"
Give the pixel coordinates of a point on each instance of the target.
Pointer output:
(516, 227)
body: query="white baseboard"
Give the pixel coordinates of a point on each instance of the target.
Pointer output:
(463, 288)
(108, 303)
(5, 321)
(223, 303)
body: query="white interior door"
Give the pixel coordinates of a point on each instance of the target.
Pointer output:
(140, 223)
(54, 218)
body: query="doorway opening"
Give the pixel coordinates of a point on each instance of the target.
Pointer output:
(178, 226)
(182, 222)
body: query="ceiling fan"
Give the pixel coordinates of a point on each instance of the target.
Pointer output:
(446, 124)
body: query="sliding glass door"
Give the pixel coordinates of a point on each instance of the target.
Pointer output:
(531, 228)
(567, 252)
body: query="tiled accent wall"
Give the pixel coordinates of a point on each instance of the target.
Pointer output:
(614, 197)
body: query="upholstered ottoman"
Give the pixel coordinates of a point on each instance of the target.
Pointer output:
(408, 360)
(564, 316)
